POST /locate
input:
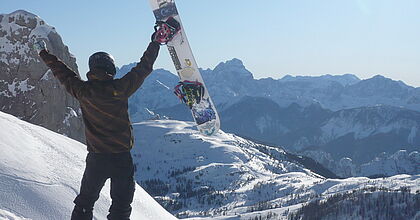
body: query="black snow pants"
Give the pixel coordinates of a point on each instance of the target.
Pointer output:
(100, 167)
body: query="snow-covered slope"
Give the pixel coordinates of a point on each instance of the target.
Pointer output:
(199, 174)
(388, 165)
(368, 121)
(40, 173)
(228, 176)
(10, 216)
(384, 164)
(363, 133)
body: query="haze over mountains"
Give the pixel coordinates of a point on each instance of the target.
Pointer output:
(339, 116)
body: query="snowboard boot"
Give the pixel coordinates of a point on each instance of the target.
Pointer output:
(80, 213)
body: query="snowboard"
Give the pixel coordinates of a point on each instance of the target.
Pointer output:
(191, 88)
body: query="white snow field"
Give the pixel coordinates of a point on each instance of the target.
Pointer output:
(239, 170)
(40, 173)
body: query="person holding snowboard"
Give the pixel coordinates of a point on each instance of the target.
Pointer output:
(104, 104)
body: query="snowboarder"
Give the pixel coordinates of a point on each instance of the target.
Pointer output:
(104, 104)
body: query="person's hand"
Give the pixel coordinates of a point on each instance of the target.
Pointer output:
(165, 31)
(153, 37)
(40, 45)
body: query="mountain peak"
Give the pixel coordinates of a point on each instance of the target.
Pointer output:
(378, 77)
(21, 90)
(233, 68)
(383, 79)
(11, 24)
(24, 13)
(235, 61)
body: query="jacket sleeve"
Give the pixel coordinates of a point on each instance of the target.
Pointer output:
(128, 84)
(63, 73)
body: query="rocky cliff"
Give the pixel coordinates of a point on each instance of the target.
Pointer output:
(28, 89)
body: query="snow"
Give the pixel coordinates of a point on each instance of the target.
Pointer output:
(223, 162)
(243, 172)
(47, 75)
(262, 123)
(380, 120)
(12, 88)
(71, 113)
(399, 162)
(24, 86)
(15, 87)
(40, 173)
(20, 49)
(412, 135)
(6, 215)
(6, 94)
(166, 87)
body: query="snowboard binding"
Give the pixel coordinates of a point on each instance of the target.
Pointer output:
(189, 92)
(166, 30)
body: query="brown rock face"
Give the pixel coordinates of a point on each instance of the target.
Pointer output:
(28, 89)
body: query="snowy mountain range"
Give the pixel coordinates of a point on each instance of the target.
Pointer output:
(361, 133)
(230, 81)
(371, 122)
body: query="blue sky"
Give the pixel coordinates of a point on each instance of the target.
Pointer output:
(273, 37)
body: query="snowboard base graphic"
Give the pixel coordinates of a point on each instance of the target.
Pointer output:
(191, 88)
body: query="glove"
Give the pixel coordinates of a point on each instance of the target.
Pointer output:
(153, 37)
(40, 45)
(165, 31)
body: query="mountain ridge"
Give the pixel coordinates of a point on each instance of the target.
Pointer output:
(334, 92)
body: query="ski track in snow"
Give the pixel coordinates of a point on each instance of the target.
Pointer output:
(20, 179)
(10, 215)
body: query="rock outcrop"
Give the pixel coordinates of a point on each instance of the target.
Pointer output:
(28, 89)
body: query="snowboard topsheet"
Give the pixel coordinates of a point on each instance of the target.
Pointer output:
(204, 111)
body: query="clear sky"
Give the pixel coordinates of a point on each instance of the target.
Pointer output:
(273, 37)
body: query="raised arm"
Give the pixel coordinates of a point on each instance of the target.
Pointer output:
(128, 84)
(62, 72)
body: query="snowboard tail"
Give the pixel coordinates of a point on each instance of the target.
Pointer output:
(166, 10)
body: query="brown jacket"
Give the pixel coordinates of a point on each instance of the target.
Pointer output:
(104, 100)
